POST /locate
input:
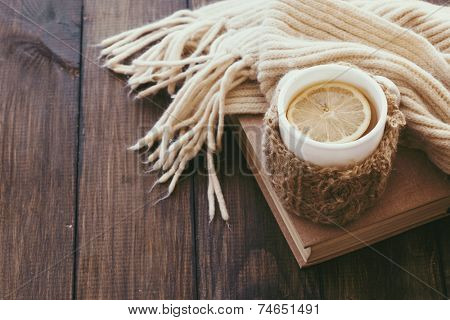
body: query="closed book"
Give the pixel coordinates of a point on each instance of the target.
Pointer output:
(417, 192)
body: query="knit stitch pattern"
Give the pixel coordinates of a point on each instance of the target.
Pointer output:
(330, 195)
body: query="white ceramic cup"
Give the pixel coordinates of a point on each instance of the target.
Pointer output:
(328, 154)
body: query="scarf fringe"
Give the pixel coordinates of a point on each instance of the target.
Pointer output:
(199, 56)
(180, 51)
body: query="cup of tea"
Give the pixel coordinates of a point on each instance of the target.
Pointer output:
(309, 87)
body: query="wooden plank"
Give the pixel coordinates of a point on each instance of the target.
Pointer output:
(442, 229)
(129, 249)
(250, 259)
(404, 267)
(414, 272)
(39, 64)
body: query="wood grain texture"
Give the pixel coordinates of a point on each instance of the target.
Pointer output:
(408, 266)
(127, 251)
(251, 259)
(442, 229)
(39, 83)
(403, 267)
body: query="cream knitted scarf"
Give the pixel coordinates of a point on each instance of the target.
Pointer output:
(226, 58)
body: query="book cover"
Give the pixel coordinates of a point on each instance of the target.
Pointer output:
(417, 193)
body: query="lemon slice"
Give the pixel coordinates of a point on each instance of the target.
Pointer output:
(332, 112)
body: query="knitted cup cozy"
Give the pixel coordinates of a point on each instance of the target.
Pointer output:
(329, 195)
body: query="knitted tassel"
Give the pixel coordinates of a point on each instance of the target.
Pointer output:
(192, 53)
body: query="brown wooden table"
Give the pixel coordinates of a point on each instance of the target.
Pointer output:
(77, 222)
